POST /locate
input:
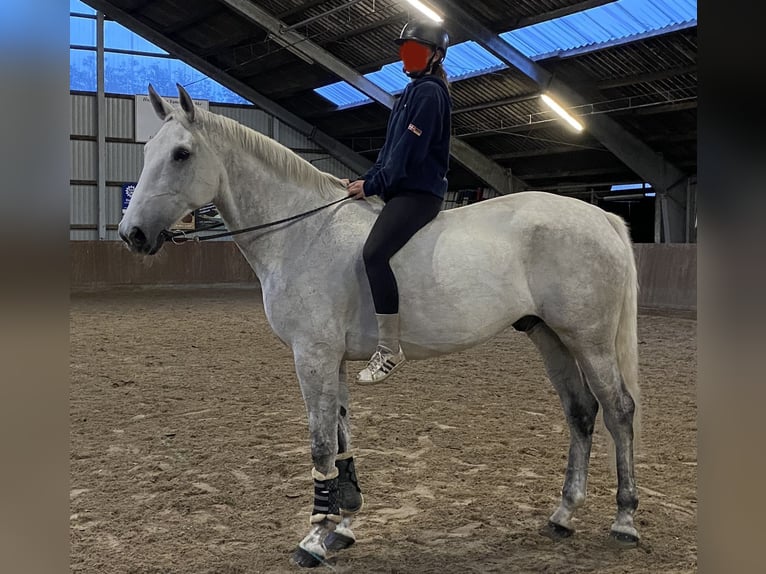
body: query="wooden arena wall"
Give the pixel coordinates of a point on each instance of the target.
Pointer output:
(667, 273)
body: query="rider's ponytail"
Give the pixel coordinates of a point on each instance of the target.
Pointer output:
(438, 71)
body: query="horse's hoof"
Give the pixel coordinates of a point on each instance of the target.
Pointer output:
(623, 539)
(305, 559)
(336, 541)
(556, 531)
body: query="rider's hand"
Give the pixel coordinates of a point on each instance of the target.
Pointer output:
(356, 189)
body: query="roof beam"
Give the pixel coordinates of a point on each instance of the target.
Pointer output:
(646, 77)
(300, 43)
(302, 8)
(543, 151)
(328, 12)
(472, 130)
(634, 153)
(574, 173)
(571, 173)
(345, 154)
(663, 108)
(673, 138)
(512, 24)
(216, 50)
(210, 10)
(241, 40)
(490, 172)
(364, 29)
(497, 103)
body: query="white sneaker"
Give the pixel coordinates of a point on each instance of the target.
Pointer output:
(382, 365)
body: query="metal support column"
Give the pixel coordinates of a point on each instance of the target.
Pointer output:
(688, 210)
(101, 125)
(666, 217)
(657, 219)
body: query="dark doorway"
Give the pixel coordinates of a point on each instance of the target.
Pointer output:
(638, 212)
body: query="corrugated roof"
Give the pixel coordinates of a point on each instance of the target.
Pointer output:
(620, 21)
(603, 26)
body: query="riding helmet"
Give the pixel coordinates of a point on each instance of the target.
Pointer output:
(429, 33)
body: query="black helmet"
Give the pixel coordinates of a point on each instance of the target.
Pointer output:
(429, 33)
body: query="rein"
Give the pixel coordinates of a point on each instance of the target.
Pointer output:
(179, 236)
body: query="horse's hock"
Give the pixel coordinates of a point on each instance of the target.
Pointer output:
(667, 273)
(189, 449)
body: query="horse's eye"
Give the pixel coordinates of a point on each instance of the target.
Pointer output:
(181, 154)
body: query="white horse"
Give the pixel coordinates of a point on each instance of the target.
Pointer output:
(559, 269)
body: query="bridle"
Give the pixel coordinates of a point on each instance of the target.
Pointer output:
(180, 236)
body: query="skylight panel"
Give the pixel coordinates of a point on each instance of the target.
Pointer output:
(588, 30)
(343, 95)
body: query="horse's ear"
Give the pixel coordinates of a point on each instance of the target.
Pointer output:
(161, 107)
(187, 105)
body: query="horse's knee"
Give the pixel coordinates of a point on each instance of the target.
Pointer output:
(583, 423)
(323, 453)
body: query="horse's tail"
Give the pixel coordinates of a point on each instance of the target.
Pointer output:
(627, 330)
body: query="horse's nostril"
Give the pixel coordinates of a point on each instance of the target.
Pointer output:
(137, 237)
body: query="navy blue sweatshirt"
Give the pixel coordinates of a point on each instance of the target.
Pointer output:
(415, 155)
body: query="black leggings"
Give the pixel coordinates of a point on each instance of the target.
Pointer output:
(401, 217)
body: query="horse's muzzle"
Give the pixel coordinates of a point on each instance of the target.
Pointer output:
(138, 242)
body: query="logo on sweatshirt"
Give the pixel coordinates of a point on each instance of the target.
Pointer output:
(414, 129)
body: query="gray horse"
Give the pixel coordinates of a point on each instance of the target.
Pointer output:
(557, 268)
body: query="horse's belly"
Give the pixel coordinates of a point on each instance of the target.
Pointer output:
(458, 291)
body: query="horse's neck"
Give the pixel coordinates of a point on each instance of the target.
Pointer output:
(254, 195)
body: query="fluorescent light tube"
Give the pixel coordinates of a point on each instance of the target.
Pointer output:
(562, 112)
(426, 10)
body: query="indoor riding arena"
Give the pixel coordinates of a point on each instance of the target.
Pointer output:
(191, 450)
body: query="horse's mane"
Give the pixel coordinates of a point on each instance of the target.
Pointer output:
(283, 159)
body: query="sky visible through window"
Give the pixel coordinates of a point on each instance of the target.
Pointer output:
(132, 73)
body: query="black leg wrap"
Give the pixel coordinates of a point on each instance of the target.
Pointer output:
(326, 500)
(349, 493)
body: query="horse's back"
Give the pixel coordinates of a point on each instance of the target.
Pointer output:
(475, 270)
(528, 210)
(531, 226)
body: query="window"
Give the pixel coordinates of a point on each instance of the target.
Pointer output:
(131, 63)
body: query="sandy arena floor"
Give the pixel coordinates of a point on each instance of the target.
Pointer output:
(190, 451)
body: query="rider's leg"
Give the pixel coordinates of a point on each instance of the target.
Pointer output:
(402, 216)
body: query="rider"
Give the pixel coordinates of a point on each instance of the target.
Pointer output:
(409, 176)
